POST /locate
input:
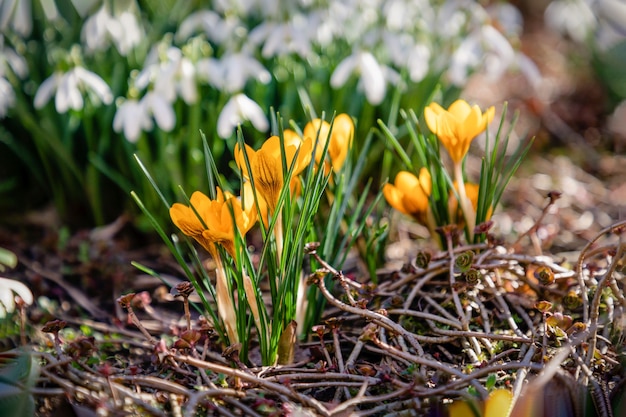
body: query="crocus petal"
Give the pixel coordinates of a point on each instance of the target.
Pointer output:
(499, 403)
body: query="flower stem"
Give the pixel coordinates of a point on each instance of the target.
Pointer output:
(225, 305)
(466, 205)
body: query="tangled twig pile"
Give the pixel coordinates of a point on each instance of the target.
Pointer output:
(456, 324)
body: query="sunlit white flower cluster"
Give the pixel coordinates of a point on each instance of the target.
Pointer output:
(600, 22)
(369, 45)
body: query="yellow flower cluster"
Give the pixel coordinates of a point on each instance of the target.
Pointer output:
(217, 221)
(213, 221)
(455, 128)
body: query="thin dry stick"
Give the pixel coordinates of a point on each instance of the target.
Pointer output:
(579, 265)
(420, 283)
(595, 306)
(553, 196)
(502, 304)
(196, 396)
(243, 376)
(390, 350)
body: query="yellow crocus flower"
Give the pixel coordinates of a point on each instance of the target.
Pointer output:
(498, 404)
(409, 194)
(219, 216)
(457, 126)
(213, 222)
(267, 166)
(340, 138)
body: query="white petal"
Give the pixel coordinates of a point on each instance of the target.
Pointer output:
(614, 11)
(6, 12)
(7, 97)
(131, 34)
(68, 95)
(8, 289)
(95, 28)
(83, 6)
(46, 90)
(22, 18)
(343, 71)
(17, 62)
(228, 119)
(373, 78)
(135, 115)
(204, 19)
(161, 110)
(418, 62)
(130, 117)
(250, 110)
(94, 83)
(187, 84)
(120, 117)
(210, 70)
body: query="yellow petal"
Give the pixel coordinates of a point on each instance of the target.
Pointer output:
(395, 198)
(341, 140)
(431, 117)
(268, 177)
(499, 403)
(425, 181)
(241, 161)
(185, 219)
(460, 109)
(460, 409)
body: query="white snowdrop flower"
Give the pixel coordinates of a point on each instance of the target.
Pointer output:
(500, 55)
(405, 54)
(406, 15)
(171, 73)
(484, 48)
(573, 18)
(450, 19)
(612, 23)
(231, 72)
(9, 59)
(237, 110)
(156, 105)
(614, 12)
(9, 288)
(466, 57)
(132, 118)
(7, 97)
(372, 75)
(210, 23)
(418, 62)
(283, 38)
(509, 18)
(69, 87)
(122, 28)
(94, 31)
(83, 7)
(17, 15)
(236, 7)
